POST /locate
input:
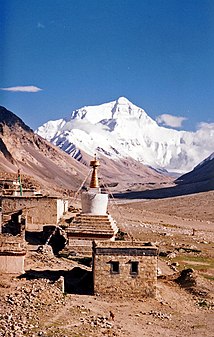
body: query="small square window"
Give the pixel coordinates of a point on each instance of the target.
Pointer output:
(115, 269)
(134, 268)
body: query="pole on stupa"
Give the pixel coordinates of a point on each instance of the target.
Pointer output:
(20, 182)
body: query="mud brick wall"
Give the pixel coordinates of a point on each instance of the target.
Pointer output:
(125, 283)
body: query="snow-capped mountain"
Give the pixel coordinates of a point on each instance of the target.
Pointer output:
(120, 129)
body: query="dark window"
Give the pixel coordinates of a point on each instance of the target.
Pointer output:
(115, 267)
(134, 268)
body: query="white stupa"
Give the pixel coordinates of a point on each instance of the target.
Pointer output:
(93, 223)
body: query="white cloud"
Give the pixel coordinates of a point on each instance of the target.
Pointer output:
(25, 88)
(86, 126)
(205, 126)
(203, 139)
(205, 135)
(169, 120)
(40, 25)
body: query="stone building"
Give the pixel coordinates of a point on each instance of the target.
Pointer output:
(123, 268)
(93, 223)
(38, 211)
(12, 254)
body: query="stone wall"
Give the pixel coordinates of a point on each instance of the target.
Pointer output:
(124, 269)
(12, 255)
(39, 210)
(12, 264)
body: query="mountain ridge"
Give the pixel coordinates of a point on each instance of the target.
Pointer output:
(119, 130)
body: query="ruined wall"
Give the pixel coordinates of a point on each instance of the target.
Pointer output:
(11, 264)
(12, 254)
(39, 210)
(136, 274)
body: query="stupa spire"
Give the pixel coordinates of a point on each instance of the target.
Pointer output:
(94, 177)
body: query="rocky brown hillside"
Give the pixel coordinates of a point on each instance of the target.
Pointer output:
(21, 148)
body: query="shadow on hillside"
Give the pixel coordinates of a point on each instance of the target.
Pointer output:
(76, 281)
(168, 192)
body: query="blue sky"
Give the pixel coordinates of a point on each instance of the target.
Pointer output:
(157, 53)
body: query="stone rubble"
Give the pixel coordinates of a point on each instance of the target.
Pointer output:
(100, 321)
(157, 314)
(20, 311)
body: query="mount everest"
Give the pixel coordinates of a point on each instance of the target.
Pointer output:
(121, 130)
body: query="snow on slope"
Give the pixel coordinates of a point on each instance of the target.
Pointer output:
(120, 129)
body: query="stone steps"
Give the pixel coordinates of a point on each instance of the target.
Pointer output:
(93, 215)
(92, 222)
(91, 230)
(91, 225)
(87, 227)
(89, 219)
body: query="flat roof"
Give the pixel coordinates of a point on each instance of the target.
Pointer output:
(123, 244)
(31, 197)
